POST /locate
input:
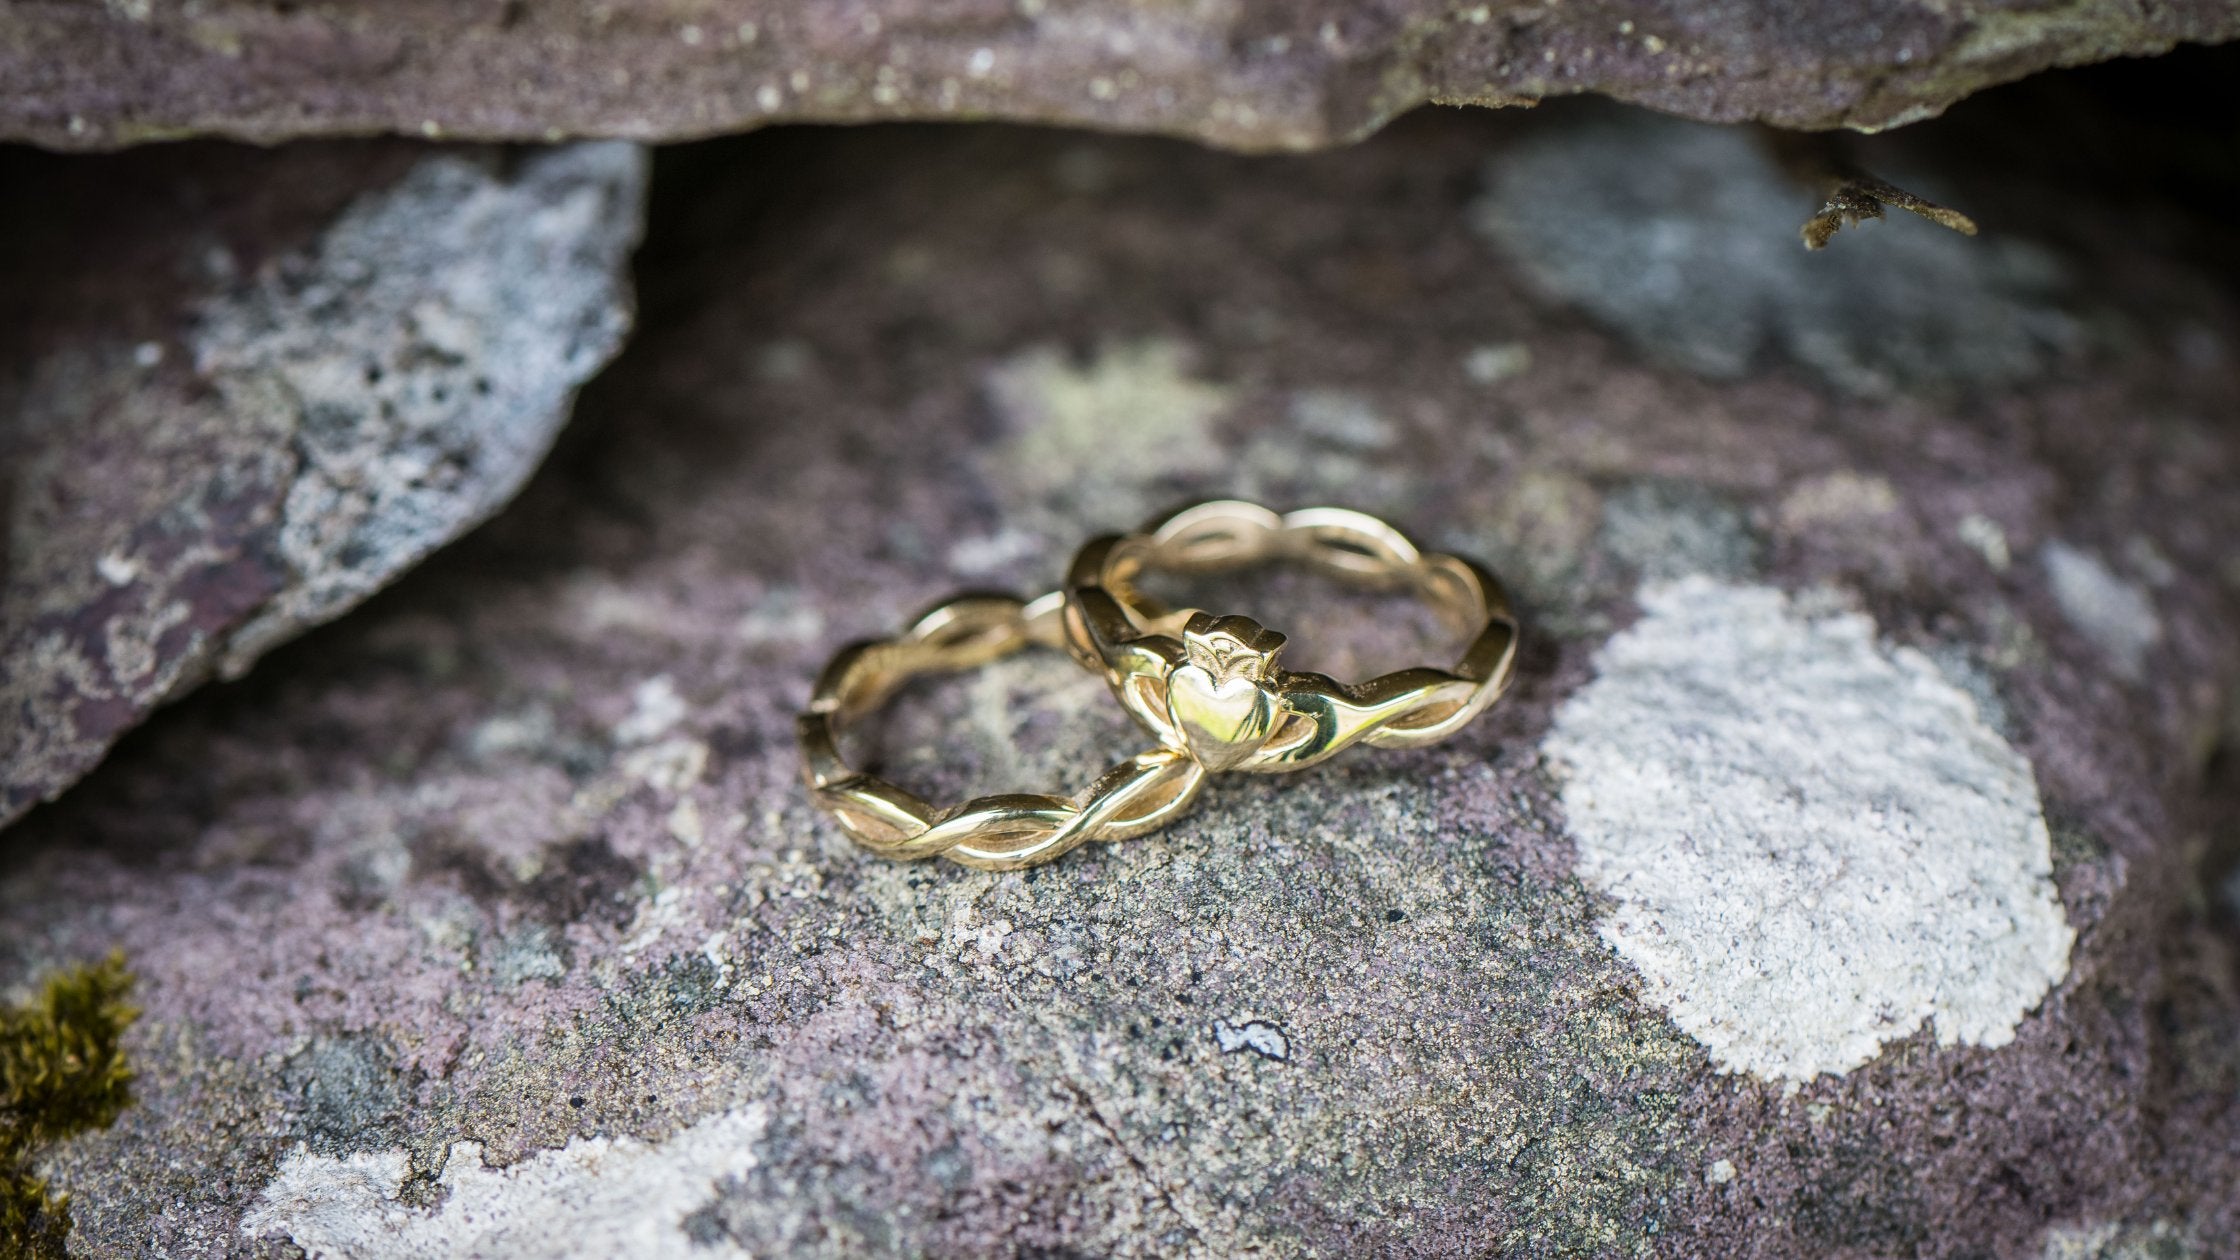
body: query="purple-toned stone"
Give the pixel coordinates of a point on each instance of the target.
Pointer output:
(1253, 74)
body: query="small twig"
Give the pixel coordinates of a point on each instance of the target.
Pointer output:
(1851, 195)
(1857, 195)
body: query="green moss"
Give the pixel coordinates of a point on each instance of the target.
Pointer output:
(62, 1071)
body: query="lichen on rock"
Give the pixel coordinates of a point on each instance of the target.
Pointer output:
(1092, 440)
(1679, 236)
(1815, 844)
(2111, 611)
(427, 348)
(593, 1196)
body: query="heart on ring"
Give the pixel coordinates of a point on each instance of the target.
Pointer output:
(1222, 696)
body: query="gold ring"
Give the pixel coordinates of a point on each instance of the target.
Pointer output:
(1211, 685)
(998, 833)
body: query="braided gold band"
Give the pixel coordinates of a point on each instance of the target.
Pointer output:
(1002, 832)
(1212, 686)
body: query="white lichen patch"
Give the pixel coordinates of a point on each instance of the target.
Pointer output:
(1988, 539)
(1834, 500)
(1260, 1037)
(616, 1197)
(1815, 843)
(2115, 614)
(2115, 1240)
(1341, 419)
(1100, 435)
(782, 616)
(1491, 365)
(655, 707)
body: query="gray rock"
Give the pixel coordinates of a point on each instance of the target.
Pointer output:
(1682, 236)
(282, 437)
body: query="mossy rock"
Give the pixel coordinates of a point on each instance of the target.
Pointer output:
(62, 1072)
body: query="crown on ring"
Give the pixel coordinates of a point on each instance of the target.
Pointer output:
(1231, 647)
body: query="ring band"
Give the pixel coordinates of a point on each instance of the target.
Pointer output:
(1211, 685)
(999, 833)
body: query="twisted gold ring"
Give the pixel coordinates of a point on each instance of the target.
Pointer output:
(1211, 685)
(999, 833)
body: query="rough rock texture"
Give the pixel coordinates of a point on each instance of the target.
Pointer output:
(298, 375)
(1245, 73)
(502, 895)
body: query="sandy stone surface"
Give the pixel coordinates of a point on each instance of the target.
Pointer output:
(244, 394)
(495, 911)
(1254, 74)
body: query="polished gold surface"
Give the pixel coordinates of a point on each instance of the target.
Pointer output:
(1001, 832)
(1213, 687)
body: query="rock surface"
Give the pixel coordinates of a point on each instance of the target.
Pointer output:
(497, 910)
(1251, 74)
(298, 375)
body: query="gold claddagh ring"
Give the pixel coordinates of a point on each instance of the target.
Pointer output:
(1211, 685)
